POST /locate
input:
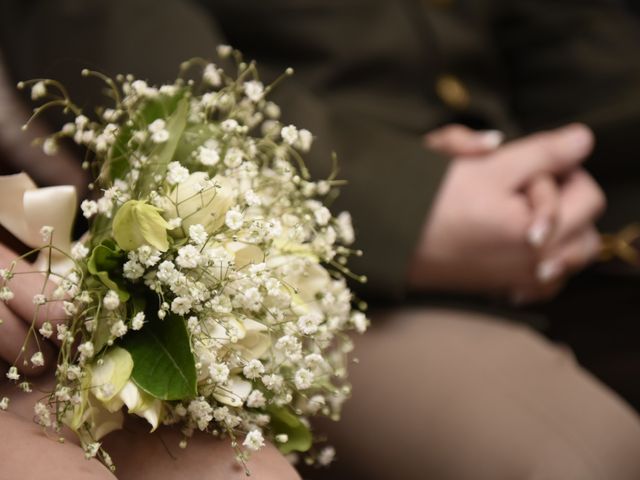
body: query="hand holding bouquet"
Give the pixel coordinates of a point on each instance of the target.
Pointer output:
(209, 291)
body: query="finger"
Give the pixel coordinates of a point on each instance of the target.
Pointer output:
(539, 293)
(458, 140)
(581, 203)
(578, 252)
(543, 196)
(17, 345)
(553, 152)
(25, 285)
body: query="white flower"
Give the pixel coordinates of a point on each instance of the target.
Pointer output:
(289, 134)
(181, 305)
(303, 378)
(308, 324)
(326, 456)
(79, 251)
(273, 381)
(254, 440)
(46, 232)
(37, 359)
(5, 294)
(253, 90)
(111, 300)
(233, 157)
(256, 399)
(13, 374)
(42, 414)
(200, 412)
(230, 125)
(39, 299)
(198, 234)
(118, 329)
(253, 369)
(224, 50)
(4, 403)
(157, 125)
(86, 349)
(305, 139)
(46, 330)
(69, 309)
(208, 155)
(359, 321)
(89, 208)
(272, 110)
(345, 228)
(138, 321)
(188, 257)
(176, 173)
(148, 255)
(252, 198)
(38, 90)
(322, 215)
(211, 75)
(91, 450)
(219, 372)
(132, 270)
(160, 136)
(234, 219)
(50, 146)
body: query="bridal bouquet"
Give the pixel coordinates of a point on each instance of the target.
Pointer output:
(209, 291)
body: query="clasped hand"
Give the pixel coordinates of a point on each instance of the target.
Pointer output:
(515, 219)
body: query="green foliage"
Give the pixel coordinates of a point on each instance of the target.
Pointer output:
(105, 263)
(284, 421)
(163, 363)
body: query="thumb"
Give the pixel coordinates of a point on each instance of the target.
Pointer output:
(458, 140)
(553, 152)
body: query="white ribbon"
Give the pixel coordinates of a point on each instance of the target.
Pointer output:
(25, 209)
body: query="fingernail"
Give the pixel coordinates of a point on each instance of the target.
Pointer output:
(548, 270)
(538, 233)
(492, 139)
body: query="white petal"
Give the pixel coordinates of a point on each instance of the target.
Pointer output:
(234, 393)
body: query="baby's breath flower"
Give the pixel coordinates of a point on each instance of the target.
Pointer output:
(224, 50)
(13, 374)
(256, 399)
(254, 440)
(89, 208)
(138, 321)
(208, 155)
(79, 251)
(39, 299)
(233, 158)
(5, 294)
(50, 146)
(303, 378)
(211, 75)
(86, 349)
(119, 329)
(4, 403)
(69, 308)
(326, 456)
(289, 134)
(253, 90)
(46, 232)
(46, 330)
(253, 369)
(176, 173)
(37, 359)
(198, 234)
(111, 301)
(38, 90)
(234, 219)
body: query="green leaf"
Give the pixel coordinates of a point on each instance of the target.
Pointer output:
(117, 164)
(284, 421)
(158, 165)
(104, 263)
(163, 363)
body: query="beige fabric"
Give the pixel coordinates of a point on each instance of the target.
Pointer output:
(450, 395)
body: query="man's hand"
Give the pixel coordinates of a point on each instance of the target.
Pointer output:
(501, 222)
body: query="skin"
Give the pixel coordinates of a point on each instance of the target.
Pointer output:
(478, 237)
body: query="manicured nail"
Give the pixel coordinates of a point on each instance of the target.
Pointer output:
(538, 233)
(548, 270)
(492, 139)
(579, 136)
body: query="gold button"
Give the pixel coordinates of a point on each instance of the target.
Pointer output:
(452, 92)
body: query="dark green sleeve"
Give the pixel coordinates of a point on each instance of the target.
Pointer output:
(580, 61)
(352, 95)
